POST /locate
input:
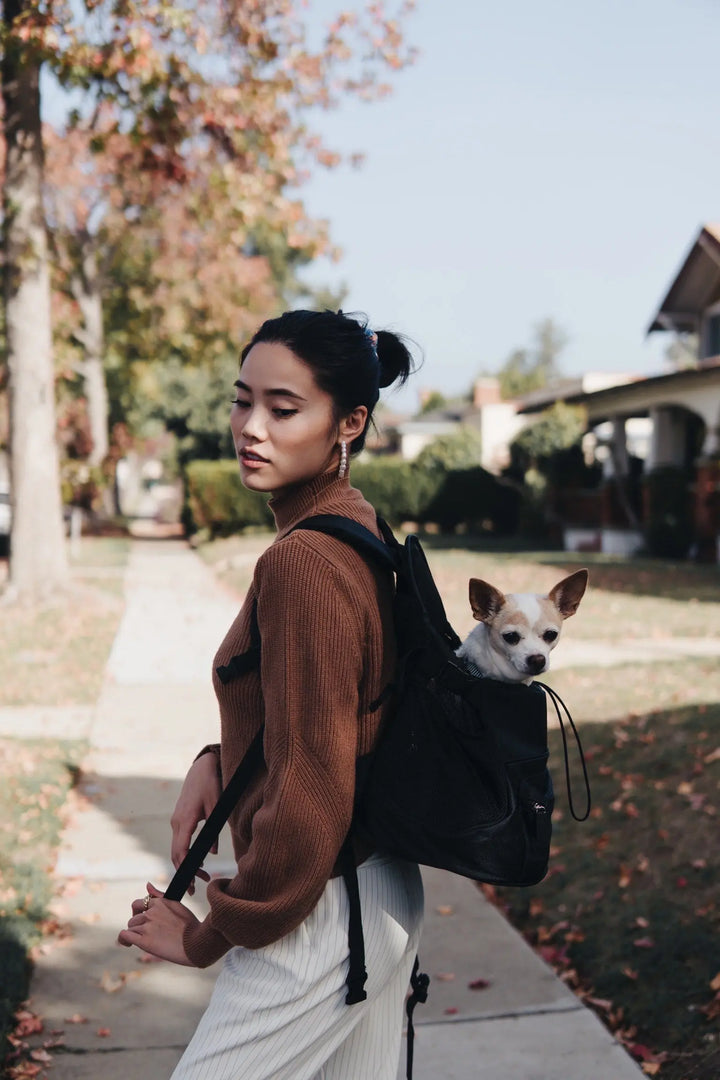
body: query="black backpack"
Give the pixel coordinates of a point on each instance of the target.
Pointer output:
(459, 777)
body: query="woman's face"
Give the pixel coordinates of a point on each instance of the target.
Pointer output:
(282, 423)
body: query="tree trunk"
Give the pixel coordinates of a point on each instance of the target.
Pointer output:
(86, 289)
(38, 561)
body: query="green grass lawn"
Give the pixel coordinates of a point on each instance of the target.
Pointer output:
(629, 914)
(640, 598)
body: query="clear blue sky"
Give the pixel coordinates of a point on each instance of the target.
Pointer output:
(540, 159)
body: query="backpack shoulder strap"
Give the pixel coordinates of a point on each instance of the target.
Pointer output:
(217, 817)
(356, 535)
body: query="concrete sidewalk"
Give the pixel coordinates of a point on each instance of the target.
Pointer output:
(122, 1016)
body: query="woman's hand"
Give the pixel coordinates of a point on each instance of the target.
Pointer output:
(158, 927)
(198, 796)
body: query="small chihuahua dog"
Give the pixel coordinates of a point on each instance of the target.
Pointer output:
(517, 632)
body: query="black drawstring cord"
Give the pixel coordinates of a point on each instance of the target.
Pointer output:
(557, 702)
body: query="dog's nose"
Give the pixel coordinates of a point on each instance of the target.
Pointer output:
(535, 663)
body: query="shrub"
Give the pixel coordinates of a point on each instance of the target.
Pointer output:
(459, 450)
(216, 500)
(476, 498)
(551, 443)
(398, 490)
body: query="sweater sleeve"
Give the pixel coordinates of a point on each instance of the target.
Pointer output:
(311, 671)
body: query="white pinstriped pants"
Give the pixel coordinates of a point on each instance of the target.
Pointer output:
(279, 1013)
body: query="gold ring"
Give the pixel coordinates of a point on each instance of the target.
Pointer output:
(146, 902)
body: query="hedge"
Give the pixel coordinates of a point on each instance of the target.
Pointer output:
(217, 502)
(397, 489)
(476, 499)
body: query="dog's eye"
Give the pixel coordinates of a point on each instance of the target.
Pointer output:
(512, 637)
(550, 635)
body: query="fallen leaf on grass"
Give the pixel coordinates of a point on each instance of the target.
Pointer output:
(645, 1054)
(600, 1003)
(26, 1070)
(650, 1068)
(27, 1023)
(630, 973)
(715, 984)
(42, 1056)
(625, 877)
(712, 1011)
(714, 756)
(644, 943)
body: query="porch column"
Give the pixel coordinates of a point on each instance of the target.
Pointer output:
(618, 511)
(711, 446)
(666, 440)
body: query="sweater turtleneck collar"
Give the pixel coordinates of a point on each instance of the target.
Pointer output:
(303, 500)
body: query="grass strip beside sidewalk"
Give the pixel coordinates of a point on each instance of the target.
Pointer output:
(55, 653)
(36, 778)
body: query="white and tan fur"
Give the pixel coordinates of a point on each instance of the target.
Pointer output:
(517, 632)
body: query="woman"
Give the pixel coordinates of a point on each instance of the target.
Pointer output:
(309, 382)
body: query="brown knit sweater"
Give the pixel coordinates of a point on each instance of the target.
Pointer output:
(328, 650)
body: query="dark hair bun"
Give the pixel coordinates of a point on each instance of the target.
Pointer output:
(396, 362)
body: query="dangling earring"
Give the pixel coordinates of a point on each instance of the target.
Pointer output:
(342, 470)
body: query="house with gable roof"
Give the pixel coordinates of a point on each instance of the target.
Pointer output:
(681, 414)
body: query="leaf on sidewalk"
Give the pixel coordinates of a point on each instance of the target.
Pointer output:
(111, 984)
(478, 984)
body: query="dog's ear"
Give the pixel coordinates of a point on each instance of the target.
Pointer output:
(485, 600)
(568, 593)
